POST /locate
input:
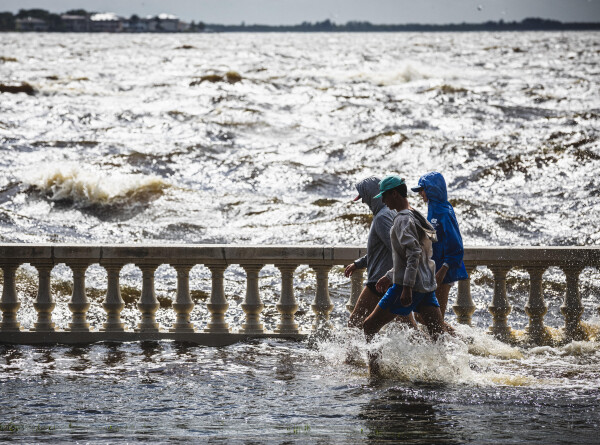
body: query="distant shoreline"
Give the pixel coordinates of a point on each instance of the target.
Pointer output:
(37, 20)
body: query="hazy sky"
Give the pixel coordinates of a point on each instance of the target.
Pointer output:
(340, 11)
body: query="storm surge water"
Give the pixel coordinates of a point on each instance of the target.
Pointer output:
(259, 139)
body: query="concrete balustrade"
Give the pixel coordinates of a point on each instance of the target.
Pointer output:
(79, 304)
(216, 331)
(322, 306)
(217, 305)
(535, 260)
(44, 303)
(464, 307)
(500, 307)
(357, 286)
(287, 305)
(212, 331)
(252, 305)
(183, 301)
(536, 307)
(572, 309)
(148, 304)
(10, 301)
(113, 303)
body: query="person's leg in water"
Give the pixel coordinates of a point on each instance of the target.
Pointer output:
(366, 304)
(441, 293)
(371, 326)
(432, 319)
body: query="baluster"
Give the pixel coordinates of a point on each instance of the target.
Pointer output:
(79, 304)
(113, 303)
(536, 307)
(287, 305)
(183, 305)
(322, 305)
(44, 303)
(572, 308)
(464, 307)
(148, 304)
(356, 283)
(217, 305)
(252, 305)
(500, 308)
(9, 304)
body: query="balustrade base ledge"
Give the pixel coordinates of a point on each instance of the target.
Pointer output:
(83, 338)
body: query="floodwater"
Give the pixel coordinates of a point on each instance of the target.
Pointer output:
(128, 140)
(284, 392)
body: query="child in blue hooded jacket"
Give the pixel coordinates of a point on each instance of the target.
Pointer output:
(448, 251)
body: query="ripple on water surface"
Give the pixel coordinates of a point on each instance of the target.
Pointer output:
(286, 123)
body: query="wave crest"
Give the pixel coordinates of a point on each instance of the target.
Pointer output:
(95, 188)
(404, 74)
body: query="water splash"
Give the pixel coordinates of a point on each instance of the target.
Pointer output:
(470, 357)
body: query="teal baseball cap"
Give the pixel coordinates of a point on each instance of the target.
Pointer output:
(389, 183)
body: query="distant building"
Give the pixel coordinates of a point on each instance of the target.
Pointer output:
(106, 22)
(31, 24)
(75, 23)
(162, 22)
(138, 25)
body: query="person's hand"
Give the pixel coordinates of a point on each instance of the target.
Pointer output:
(350, 268)
(383, 284)
(440, 275)
(406, 297)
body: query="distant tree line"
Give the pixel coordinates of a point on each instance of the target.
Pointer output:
(55, 23)
(529, 24)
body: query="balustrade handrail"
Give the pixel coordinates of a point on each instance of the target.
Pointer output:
(520, 256)
(179, 254)
(500, 259)
(516, 256)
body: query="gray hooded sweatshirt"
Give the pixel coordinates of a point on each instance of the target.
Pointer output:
(378, 259)
(412, 237)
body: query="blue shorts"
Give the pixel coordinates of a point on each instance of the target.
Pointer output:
(391, 301)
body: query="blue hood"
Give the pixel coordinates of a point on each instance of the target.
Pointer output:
(435, 187)
(449, 248)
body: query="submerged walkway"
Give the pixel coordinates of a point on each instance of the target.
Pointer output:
(500, 260)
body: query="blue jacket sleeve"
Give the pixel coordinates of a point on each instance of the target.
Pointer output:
(452, 242)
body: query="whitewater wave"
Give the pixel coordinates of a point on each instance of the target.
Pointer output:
(86, 187)
(407, 73)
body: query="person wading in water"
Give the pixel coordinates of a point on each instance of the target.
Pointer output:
(378, 259)
(412, 277)
(448, 251)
